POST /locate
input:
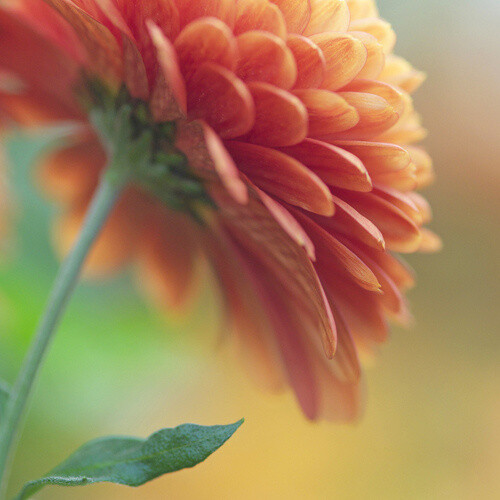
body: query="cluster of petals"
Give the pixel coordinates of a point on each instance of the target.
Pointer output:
(297, 117)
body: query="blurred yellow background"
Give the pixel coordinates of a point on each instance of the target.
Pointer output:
(432, 426)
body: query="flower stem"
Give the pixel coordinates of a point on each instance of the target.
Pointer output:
(110, 187)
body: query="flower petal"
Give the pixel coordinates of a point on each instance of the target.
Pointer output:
(377, 157)
(431, 242)
(399, 272)
(115, 245)
(282, 176)
(399, 72)
(166, 257)
(328, 113)
(395, 97)
(311, 63)
(209, 158)
(378, 28)
(375, 57)
(205, 40)
(330, 252)
(225, 10)
(264, 57)
(281, 118)
(285, 262)
(289, 224)
(40, 65)
(296, 13)
(168, 100)
(335, 166)
(400, 200)
(351, 223)
(360, 9)
(400, 233)
(69, 175)
(222, 100)
(345, 57)
(376, 115)
(104, 54)
(259, 15)
(328, 15)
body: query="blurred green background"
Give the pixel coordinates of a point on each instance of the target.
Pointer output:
(432, 427)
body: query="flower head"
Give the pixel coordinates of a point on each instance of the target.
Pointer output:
(281, 153)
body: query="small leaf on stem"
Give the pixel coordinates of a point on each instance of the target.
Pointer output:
(134, 461)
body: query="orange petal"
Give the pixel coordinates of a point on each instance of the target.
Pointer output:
(264, 57)
(208, 157)
(339, 385)
(400, 200)
(397, 71)
(225, 10)
(282, 176)
(311, 63)
(168, 100)
(405, 180)
(392, 299)
(352, 224)
(137, 15)
(70, 175)
(134, 70)
(345, 57)
(166, 256)
(48, 22)
(331, 252)
(259, 15)
(294, 356)
(400, 233)
(406, 131)
(362, 8)
(104, 53)
(296, 13)
(360, 308)
(244, 313)
(399, 271)
(375, 57)
(286, 266)
(205, 40)
(423, 165)
(378, 28)
(328, 112)
(332, 164)
(347, 366)
(289, 224)
(377, 157)
(222, 100)
(395, 97)
(376, 115)
(281, 118)
(328, 15)
(431, 242)
(50, 81)
(422, 205)
(116, 243)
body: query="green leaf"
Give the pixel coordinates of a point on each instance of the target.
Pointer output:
(134, 461)
(4, 397)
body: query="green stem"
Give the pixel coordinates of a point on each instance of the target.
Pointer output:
(104, 199)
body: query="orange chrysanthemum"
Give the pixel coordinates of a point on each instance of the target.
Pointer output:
(296, 120)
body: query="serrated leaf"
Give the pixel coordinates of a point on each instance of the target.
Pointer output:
(4, 397)
(134, 461)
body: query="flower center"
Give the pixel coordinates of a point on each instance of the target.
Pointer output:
(145, 148)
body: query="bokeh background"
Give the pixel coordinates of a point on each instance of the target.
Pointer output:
(432, 427)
